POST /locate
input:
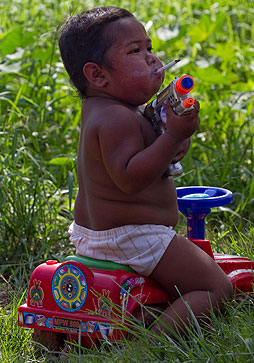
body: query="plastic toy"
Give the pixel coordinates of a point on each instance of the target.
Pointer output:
(84, 299)
(178, 95)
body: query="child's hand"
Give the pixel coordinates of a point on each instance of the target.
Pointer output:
(182, 150)
(181, 127)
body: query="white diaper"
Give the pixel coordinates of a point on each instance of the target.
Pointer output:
(140, 246)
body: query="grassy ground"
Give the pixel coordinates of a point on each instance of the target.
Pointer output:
(39, 130)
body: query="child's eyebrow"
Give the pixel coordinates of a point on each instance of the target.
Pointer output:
(138, 41)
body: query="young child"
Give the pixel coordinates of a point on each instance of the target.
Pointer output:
(126, 206)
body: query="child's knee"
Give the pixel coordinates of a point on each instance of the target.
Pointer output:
(224, 290)
(228, 290)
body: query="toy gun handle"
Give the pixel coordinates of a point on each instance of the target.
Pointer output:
(178, 94)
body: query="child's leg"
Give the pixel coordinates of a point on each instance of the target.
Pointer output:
(186, 269)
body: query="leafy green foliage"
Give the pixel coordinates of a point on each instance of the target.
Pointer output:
(40, 113)
(39, 131)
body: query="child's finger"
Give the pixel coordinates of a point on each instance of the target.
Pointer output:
(196, 106)
(168, 109)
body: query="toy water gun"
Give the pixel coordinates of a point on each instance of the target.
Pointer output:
(178, 94)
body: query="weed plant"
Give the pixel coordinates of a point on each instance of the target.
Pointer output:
(39, 131)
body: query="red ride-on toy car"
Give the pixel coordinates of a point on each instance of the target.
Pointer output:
(85, 299)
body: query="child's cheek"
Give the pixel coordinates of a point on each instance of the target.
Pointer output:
(137, 78)
(140, 73)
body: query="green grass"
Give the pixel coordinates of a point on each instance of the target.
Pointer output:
(39, 130)
(227, 338)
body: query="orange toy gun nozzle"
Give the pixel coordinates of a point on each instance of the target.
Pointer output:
(184, 84)
(188, 102)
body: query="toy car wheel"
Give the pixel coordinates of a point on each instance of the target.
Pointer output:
(50, 340)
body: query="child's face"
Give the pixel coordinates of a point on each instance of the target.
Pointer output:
(132, 76)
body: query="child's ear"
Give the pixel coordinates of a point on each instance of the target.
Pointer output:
(94, 74)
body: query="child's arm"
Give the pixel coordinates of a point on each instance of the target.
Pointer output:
(131, 164)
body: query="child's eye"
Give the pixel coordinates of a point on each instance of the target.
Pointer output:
(136, 50)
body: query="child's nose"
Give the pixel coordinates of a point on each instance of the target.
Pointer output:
(150, 58)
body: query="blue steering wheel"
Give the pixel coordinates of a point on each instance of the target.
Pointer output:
(203, 197)
(196, 202)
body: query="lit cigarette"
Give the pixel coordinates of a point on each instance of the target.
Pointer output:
(167, 66)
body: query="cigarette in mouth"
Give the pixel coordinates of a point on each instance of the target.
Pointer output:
(167, 66)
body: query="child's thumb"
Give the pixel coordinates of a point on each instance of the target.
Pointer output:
(168, 109)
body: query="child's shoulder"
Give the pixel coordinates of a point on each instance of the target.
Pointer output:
(110, 111)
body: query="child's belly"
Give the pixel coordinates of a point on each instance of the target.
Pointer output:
(156, 204)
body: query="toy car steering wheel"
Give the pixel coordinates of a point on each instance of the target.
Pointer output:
(196, 202)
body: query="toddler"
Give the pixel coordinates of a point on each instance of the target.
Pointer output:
(126, 206)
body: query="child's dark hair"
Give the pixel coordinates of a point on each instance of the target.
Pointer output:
(83, 39)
